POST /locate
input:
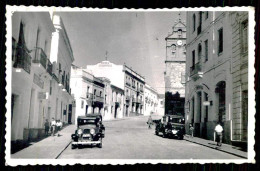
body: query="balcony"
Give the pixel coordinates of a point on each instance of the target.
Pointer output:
(98, 98)
(133, 86)
(141, 90)
(196, 71)
(22, 59)
(49, 67)
(199, 30)
(127, 98)
(40, 57)
(127, 83)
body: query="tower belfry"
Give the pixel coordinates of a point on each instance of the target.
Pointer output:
(176, 58)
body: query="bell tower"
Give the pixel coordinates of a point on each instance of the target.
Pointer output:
(174, 75)
(176, 59)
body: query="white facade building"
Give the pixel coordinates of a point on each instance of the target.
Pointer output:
(34, 80)
(151, 100)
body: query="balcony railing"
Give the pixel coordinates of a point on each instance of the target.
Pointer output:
(22, 59)
(127, 98)
(195, 69)
(89, 96)
(49, 67)
(98, 98)
(40, 57)
(141, 90)
(127, 83)
(133, 86)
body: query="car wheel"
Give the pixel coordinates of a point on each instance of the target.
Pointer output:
(156, 132)
(100, 144)
(180, 137)
(73, 146)
(164, 135)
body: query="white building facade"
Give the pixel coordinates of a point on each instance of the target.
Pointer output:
(124, 78)
(211, 73)
(34, 82)
(151, 100)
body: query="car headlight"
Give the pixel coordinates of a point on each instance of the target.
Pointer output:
(80, 131)
(92, 131)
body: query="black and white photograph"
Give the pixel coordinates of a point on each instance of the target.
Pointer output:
(100, 86)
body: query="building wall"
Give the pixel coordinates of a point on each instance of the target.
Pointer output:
(151, 100)
(240, 75)
(34, 89)
(215, 69)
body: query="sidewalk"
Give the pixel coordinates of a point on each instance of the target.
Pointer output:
(48, 148)
(224, 148)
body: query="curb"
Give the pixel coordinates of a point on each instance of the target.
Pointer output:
(217, 149)
(63, 150)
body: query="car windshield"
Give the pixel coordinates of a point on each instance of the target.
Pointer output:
(176, 120)
(87, 122)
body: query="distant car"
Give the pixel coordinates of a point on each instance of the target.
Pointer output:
(171, 126)
(90, 131)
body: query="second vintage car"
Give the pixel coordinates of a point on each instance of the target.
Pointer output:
(90, 131)
(171, 126)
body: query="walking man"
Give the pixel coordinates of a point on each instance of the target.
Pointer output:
(191, 130)
(59, 125)
(219, 130)
(150, 121)
(53, 125)
(47, 127)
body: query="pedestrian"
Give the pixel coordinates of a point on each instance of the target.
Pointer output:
(59, 126)
(191, 130)
(218, 131)
(47, 127)
(53, 125)
(150, 122)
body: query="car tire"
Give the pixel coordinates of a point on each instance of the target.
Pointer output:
(180, 137)
(73, 146)
(164, 135)
(156, 132)
(100, 144)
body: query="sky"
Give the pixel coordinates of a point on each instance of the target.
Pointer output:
(134, 38)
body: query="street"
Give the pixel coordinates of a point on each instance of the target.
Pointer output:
(130, 138)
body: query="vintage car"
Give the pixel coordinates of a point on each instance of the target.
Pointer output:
(90, 131)
(171, 126)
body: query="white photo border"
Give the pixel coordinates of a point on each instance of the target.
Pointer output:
(251, 91)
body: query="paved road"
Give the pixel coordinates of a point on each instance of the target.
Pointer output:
(131, 139)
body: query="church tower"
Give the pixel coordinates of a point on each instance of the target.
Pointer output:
(176, 59)
(175, 62)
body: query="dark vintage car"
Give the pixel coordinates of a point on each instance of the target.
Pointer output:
(90, 131)
(171, 126)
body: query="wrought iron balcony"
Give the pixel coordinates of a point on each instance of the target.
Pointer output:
(40, 57)
(22, 59)
(98, 98)
(49, 67)
(196, 71)
(127, 98)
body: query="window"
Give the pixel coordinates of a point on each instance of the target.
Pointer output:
(13, 49)
(179, 32)
(193, 58)
(220, 41)
(244, 36)
(95, 92)
(206, 15)
(100, 93)
(50, 87)
(206, 50)
(194, 22)
(199, 52)
(173, 48)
